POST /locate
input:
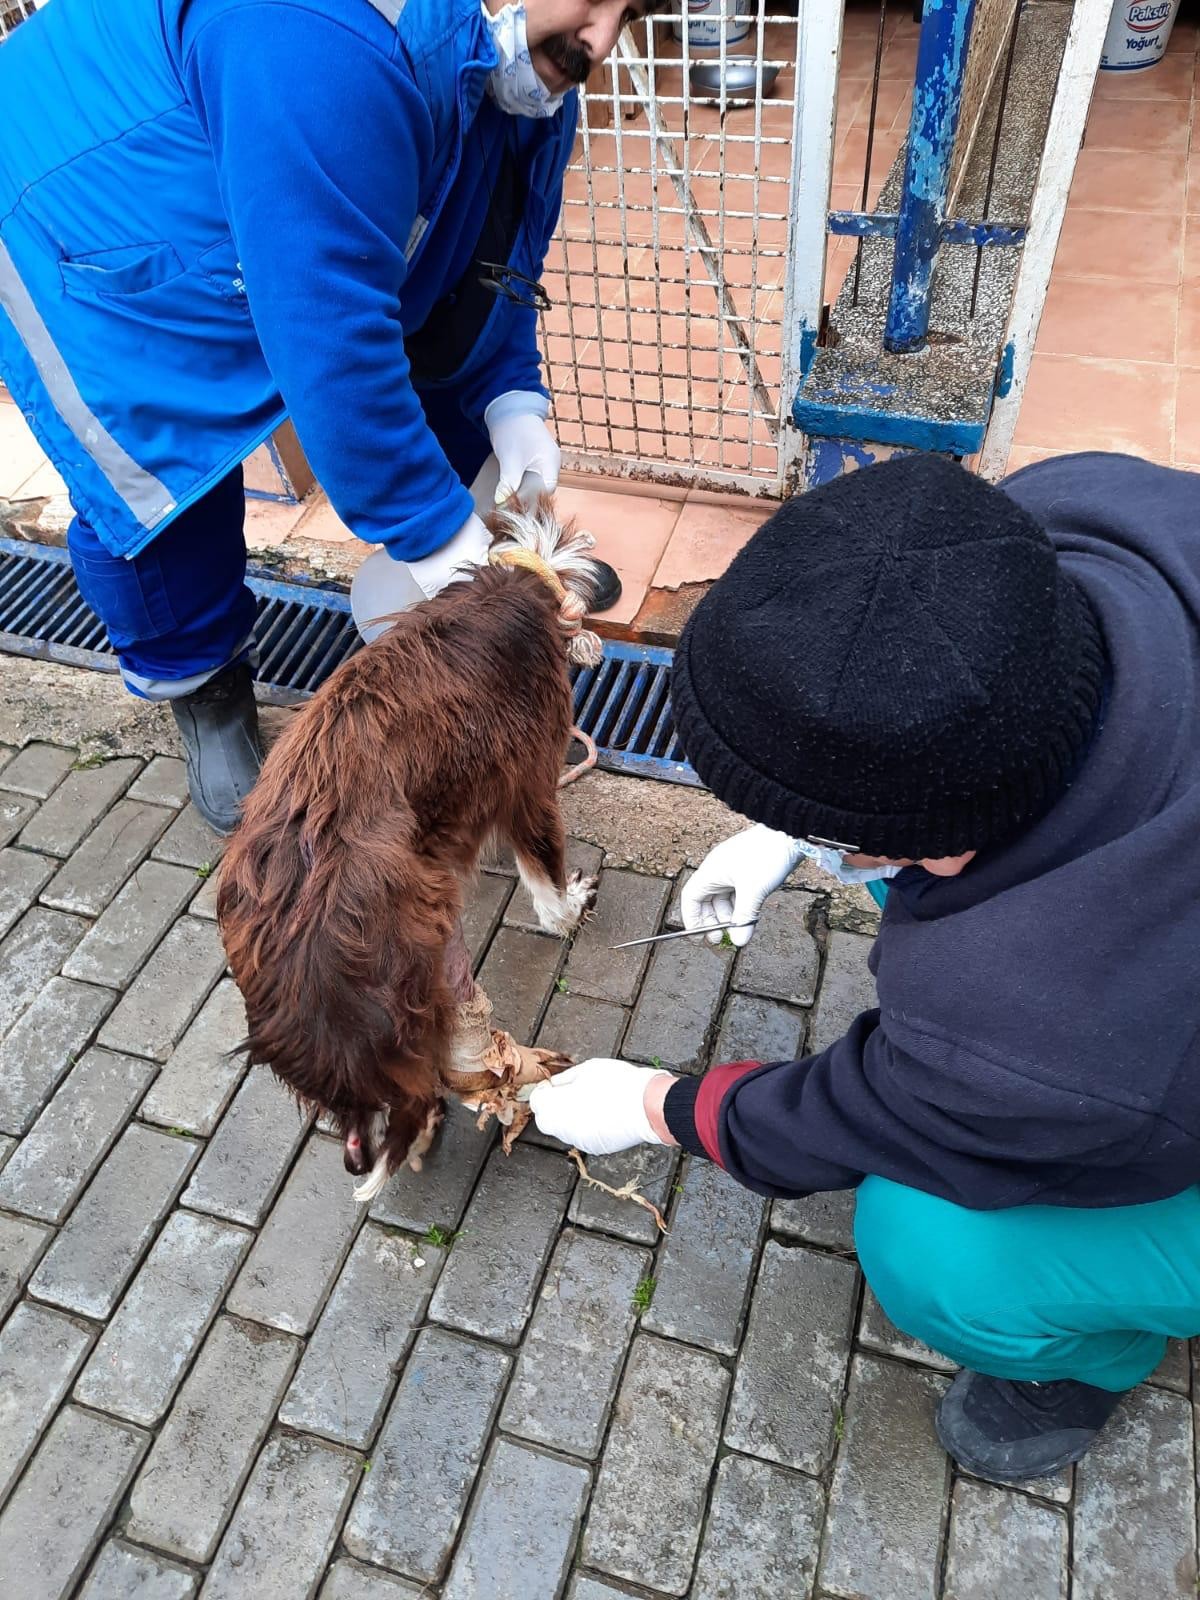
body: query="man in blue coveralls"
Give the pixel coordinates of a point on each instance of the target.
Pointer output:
(218, 213)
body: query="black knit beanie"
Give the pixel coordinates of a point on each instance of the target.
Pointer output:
(895, 662)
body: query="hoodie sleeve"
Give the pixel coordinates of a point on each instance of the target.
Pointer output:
(319, 138)
(933, 1113)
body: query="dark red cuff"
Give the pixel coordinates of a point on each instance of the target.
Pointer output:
(692, 1108)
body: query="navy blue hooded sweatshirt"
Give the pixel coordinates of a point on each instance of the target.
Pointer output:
(1038, 1033)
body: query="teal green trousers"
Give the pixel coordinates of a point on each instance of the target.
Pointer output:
(1038, 1292)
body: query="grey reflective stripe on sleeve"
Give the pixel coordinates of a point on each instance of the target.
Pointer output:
(150, 501)
(176, 688)
(390, 9)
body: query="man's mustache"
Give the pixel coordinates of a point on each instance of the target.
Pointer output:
(571, 59)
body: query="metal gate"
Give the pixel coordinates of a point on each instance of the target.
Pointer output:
(12, 12)
(687, 273)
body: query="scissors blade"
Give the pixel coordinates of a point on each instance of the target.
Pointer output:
(682, 933)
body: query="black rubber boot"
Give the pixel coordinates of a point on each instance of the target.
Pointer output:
(608, 588)
(998, 1428)
(218, 724)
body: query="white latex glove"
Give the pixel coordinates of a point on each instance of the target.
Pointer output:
(597, 1106)
(468, 548)
(523, 444)
(734, 879)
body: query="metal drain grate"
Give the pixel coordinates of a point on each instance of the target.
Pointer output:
(305, 632)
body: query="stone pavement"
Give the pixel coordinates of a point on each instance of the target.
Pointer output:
(219, 1377)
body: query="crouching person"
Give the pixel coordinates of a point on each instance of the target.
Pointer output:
(992, 696)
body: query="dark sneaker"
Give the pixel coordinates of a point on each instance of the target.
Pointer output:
(998, 1428)
(608, 588)
(219, 727)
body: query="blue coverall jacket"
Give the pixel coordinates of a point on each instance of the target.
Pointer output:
(217, 213)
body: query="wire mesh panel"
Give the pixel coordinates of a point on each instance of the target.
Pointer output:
(667, 345)
(12, 12)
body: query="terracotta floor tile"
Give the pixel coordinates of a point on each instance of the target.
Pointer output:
(1169, 79)
(270, 522)
(320, 521)
(1187, 416)
(45, 481)
(1072, 403)
(1158, 127)
(20, 453)
(1100, 317)
(1126, 182)
(705, 541)
(1185, 37)
(631, 533)
(1188, 347)
(1024, 455)
(1139, 247)
(1191, 250)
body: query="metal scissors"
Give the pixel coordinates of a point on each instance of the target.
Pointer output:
(683, 933)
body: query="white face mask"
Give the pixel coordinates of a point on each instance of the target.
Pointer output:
(513, 84)
(830, 861)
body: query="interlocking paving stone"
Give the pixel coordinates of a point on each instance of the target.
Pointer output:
(90, 1262)
(285, 1527)
(706, 1265)
(205, 903)
(571, 1360)
(877, 1331)
(484, 907)
(204, 1068)
(488, 1284)
(586, 1587)
(754, 1029)
(409, 1507)
(888, 1499)
(132, 925)
(581, 857)
(349, 1368)
(7, 1146)
(582, 1028)
(1135, 1503)
(122, 1573)
(32, 953)
(119, 841)
(40, 1352)
(824, 1219)
(501, 1556)
(194, 1473)
(651, 1167)
(15, 812)
(629, 905)
(39, 1049)
(648, 1508)
(61, 1507)
(678, 1005)
(76, 805)
(143, 1352)
(168, 992)
(847, 988)
(1004, 1544)
(350, 1580)
(240, 1171)
(68, 1141)
(22, 875)
(163, 783)
(284, 1286)
(517, 976)
(762, 1535)
(782, 959)
(793, 1361)
(21, 1245)
(38, 769)
(189, 842)
(438, 1194)
(1174, 1370)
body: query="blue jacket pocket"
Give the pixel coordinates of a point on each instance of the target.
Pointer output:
(126, 270)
